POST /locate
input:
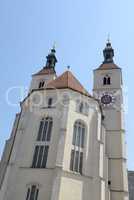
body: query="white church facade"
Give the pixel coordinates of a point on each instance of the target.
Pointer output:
(67, 144)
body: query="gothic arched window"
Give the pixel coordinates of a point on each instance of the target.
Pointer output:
(45, 129)
(76, 162)
(32, 192)
(42, 143)
(78, 134)
(106, 80)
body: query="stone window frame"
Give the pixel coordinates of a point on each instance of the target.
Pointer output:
(77, 150)
(32, 191)
(50, 102)
(42, 144)
(41, 84)
(106, 80)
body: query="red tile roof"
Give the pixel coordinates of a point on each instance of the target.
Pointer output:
(67, 80)
(45, 71)
(108, 66)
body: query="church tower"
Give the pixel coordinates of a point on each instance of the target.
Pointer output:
(47, 74)
(108, 89)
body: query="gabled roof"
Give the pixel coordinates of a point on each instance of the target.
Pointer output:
(67, 80)
(45, 71)
(108, 66)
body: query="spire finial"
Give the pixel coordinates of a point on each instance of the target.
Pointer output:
(108, 38)
(108, 52)
(54, 45)
(53, 50)
(51, 58)
(68, 67)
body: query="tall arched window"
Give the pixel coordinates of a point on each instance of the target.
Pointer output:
(42, 143)
(78, 134)
(45, 129)
(106, 80)
(76, 162)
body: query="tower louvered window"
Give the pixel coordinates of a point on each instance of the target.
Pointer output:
(32, 193)
(106, 80)
(41, 84)
(76, 162)
(42, 143)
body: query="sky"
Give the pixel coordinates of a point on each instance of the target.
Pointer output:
(28, 30)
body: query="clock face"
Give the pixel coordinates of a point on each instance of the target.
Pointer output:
(106, 99)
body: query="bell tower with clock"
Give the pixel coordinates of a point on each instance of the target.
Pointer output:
(108, 89)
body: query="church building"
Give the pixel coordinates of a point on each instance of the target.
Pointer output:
(67, 144)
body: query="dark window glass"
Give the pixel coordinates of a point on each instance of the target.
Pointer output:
(36, 152)
(72, 160)
(81, 162)
(50, 100)
(82, 137)
(45, 155)
(78, 134)
(40, 131)
(74, 134)
(32, 193)
(36, 196)
(41, 84)
(41, 150)
(28, 194)
(49, 130)
(81, 108)
(40, 156)
(45, 130)
(106, 81)
(76, 162)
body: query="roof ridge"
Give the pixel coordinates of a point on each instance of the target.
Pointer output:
(108, 66)
(46, 71)
(68, 80)
(78, 81)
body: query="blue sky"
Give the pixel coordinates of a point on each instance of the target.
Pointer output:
(28, 30)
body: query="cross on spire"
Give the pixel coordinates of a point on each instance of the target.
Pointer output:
(108, 38)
